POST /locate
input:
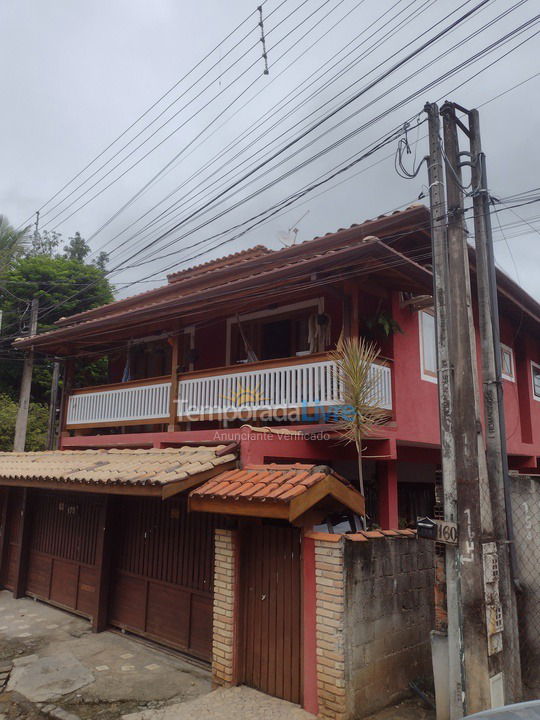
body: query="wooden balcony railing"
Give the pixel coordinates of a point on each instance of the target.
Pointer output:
(238, 391)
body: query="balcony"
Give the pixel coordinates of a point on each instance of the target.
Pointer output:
(242, 391)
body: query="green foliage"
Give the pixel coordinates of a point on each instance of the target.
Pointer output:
(36, 435)
(64, 285)
(12, 244)
(383, 322)
(77, 248)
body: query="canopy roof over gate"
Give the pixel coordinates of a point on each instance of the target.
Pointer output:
(276, 491)
(161, 472)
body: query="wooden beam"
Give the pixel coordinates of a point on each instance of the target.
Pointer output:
(103, 564)
(21, 560)
(247, 508)
(66, 389)
(329, 486)
(173, 401)
(61, 486)
(117, 423)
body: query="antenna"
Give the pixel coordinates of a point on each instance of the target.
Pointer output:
(288, 238)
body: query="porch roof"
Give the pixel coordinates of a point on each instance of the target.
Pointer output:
(276, 491)
(207, 290)
(135, 472)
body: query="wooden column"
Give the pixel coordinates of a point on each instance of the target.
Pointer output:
(351, 310)
(66, 389)
(103, 564)
(173, 404)
(387, 495)
(21, 561)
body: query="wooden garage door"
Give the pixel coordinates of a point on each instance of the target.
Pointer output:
(62, 549)
(163, 572)
(271, 610)
(11, 508)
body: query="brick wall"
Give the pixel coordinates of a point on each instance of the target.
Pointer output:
(330, 614)
(223, 648)
(389, 601)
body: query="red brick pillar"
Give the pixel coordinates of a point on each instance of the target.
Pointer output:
(388, 495)
(225, 625)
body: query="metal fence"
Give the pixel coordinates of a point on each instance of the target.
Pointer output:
(526, 516)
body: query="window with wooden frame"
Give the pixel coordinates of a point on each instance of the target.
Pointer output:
(535, 373)
(428, 346)
(507, 363)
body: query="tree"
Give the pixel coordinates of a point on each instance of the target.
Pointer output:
(361, 412)
(36, 434)
(77, 248)
(12, 243)
(64, 286)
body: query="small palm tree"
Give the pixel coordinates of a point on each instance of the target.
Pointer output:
(12, 242)
(354, 358)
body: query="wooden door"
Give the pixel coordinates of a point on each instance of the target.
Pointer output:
(63, 534)
(271, 610)
(163, 573)
(11, 526)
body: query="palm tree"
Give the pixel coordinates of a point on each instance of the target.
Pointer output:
(12, 242)
(361, 412)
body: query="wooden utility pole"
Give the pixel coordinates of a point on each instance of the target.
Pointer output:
(26, 385)
(473, 506)
(51, 426)
(439, 251)
(494, 420)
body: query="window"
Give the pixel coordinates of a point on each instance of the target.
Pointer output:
(507, 363)
(428, 347)
(535, 371)
(281, 332)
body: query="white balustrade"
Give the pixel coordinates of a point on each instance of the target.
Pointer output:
(307, 385)
(274, 388)
(139, 402)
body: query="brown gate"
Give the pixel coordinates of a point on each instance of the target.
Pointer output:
(163, 572)
(12, 505)
(271, 610)
(62, 549)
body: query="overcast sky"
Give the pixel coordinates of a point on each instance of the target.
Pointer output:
(76, 74)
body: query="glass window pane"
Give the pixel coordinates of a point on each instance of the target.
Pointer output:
(507, 362)
(536, 381)
(429, 349)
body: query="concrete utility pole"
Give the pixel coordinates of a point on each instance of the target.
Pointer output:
(51, 425)
(494, 420)
(453, 642)
(26, 385)
(472, 504)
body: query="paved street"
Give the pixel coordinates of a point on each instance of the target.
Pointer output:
(54, 666)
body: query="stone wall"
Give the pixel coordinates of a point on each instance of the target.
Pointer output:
(389, 613)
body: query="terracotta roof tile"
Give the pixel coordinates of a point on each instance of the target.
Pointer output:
(113, 467)
(252, 264)
(263, 483)
(219, 263)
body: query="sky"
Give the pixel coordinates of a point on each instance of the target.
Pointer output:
(76, 76)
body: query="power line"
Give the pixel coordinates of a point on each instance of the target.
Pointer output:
(488, 66)
(179, 127)
(148, 110)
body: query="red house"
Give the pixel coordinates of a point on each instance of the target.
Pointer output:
(229, 363)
